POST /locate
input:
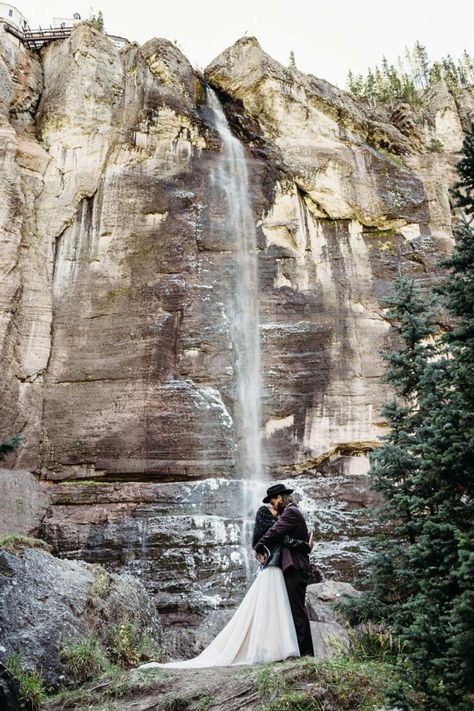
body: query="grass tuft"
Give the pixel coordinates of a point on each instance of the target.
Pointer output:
(32, 693)
(203, 703)
(269, 681)
(109, 686)
(85, 660)
(343, 683)
(174, 702)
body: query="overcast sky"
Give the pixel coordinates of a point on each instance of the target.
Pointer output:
(328, 38)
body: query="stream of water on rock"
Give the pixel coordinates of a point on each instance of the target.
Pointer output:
(231, 177)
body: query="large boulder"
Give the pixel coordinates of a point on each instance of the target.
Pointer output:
(330, 636)
(329, 639)
(47, 603)
(330, 591)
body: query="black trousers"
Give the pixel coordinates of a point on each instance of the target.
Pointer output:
(296, 582)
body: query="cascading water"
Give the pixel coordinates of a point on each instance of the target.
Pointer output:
(231, 177)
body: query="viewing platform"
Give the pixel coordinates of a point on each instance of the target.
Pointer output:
(36, 39)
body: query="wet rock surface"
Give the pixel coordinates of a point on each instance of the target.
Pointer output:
(186, 540)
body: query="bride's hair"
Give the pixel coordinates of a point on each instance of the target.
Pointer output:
(263, 521)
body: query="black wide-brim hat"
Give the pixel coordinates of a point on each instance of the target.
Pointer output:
(274, 491)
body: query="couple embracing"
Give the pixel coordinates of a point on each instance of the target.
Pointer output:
(271, 622)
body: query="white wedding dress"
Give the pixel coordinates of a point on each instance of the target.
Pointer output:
(261, 630)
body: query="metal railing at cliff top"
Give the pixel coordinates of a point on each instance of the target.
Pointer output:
(36, 39)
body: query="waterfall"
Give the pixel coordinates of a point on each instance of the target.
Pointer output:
(230, 178)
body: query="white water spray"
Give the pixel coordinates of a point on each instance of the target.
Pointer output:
(231, 177)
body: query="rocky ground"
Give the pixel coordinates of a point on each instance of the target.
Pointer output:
(293, 685)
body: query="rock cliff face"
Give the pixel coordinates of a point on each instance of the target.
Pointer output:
(118, 365)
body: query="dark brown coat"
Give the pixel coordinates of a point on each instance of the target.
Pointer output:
(290, 522)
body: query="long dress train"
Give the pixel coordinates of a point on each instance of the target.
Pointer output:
(261, 630)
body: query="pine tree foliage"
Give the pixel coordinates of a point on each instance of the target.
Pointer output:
(97, 19)
(422, 574)
(9, 445)
(395, 468)
(410, 76)
(448, 436)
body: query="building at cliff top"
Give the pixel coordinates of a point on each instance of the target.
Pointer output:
(61, 22)
(11, 14)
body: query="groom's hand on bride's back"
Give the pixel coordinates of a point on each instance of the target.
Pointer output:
(296, 544)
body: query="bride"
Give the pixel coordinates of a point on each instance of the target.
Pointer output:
(262, 628)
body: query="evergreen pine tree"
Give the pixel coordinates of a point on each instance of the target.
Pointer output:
(379, 87)
(422, 64)
(396, 465)
(395, 84)
(369, 88)
(350, 81)
(355, 84)
(448, 437)
(423, 575)
(467, 65)
(292, 61)
(436, 73)
(450, 74)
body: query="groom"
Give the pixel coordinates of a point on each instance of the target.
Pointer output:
(295, 564)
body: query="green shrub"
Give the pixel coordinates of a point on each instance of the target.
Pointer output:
(9, 445)
(128, 646)
(376, 642)
(85, 660)
(32, 693)
(99, 588)
(358, 610)
(391, 156)
(435, 146)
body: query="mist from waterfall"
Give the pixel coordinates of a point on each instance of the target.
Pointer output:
(231, 177)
